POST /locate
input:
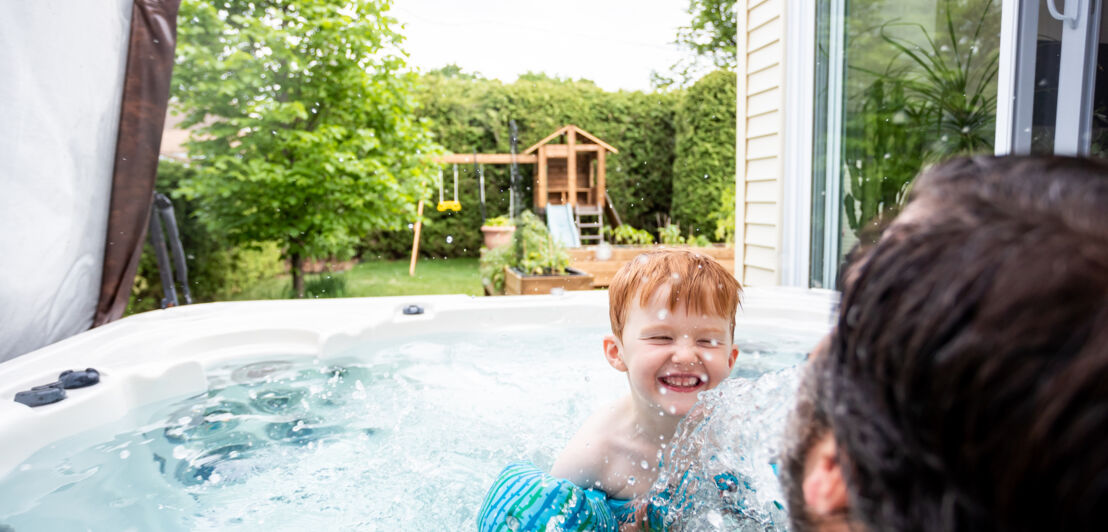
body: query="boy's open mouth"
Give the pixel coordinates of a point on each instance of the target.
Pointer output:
(681, 383)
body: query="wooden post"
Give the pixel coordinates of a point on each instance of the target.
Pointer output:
(571, 163)
(415, 241)
(600, 183)
(540, 186)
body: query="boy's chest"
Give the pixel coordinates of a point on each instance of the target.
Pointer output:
(630, 469)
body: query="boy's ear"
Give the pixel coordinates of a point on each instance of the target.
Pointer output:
(613, 353)
(734, 355)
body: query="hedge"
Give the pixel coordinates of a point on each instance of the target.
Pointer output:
(470, 114)
(704, 169)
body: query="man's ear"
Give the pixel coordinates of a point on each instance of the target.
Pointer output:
(823, 486)
(734, 355)
(613, 353)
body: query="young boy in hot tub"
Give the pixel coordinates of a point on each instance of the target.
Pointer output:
(673, 322)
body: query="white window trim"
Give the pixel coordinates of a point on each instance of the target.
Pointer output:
(797, 122)
(1019, 26)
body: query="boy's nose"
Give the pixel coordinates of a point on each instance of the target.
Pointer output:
(684, 352)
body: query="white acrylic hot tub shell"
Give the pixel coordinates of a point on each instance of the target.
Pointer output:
(164, 354)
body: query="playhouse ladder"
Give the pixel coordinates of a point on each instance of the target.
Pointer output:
(596, 229)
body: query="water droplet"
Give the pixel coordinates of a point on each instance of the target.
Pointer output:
(673, 410)
(512, 523)
(662, 314)
(449, 239)
(714, 342)
(644, 465)
(675, 276)
(630, 481)
(124, 454)
(662, 390)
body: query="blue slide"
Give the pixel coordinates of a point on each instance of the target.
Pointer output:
(559, 219)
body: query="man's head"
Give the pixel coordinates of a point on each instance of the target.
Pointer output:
(673, 322)
(964, 387)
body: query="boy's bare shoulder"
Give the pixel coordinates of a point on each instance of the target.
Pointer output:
(585, 461)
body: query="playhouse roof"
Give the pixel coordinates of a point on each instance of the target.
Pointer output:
(566, 129)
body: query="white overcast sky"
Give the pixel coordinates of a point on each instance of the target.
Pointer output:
(616, 43)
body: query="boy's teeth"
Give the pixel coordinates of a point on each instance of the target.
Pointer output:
(681, 381)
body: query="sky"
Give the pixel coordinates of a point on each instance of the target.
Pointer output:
(616, 43)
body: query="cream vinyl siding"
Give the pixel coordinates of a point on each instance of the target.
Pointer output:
(760, 124)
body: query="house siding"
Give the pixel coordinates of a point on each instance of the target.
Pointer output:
(760, 148)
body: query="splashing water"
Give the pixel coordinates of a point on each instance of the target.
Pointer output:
(720, 472)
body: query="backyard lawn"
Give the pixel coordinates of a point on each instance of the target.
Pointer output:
(380, 278)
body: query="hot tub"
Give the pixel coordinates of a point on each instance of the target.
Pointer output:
(344, 413)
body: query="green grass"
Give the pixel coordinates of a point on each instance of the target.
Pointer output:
(381, 278)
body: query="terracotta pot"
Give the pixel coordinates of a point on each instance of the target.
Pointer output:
(497, 235)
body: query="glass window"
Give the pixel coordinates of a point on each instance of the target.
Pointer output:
(904, 83)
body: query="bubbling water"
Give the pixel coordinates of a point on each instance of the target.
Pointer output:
(720, 472)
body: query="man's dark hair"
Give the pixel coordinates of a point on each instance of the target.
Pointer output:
(967, 381)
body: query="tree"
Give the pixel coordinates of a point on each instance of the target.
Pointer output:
(306, 131)
(711, 36)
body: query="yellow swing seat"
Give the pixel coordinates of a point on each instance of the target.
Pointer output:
(451, 205)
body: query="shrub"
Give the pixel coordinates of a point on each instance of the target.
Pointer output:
(533, 251)
(671, 235)
(499, 221)
(216, 270)
(323, 285)
(704, 168)
(536, 251)
(625, 234)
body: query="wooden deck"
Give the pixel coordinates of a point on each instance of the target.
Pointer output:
(584, 259)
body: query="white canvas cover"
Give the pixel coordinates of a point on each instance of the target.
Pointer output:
(61, 82)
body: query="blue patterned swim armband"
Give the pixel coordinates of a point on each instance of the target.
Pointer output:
(523, 497)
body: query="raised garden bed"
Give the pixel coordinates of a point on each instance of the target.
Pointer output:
(603, 268)
(516, 283)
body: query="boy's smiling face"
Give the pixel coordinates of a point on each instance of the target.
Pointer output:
(671, 356)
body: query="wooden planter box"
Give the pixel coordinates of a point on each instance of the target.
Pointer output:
(585, 259)
(515, 283)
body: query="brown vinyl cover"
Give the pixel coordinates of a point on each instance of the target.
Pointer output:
(152, 44)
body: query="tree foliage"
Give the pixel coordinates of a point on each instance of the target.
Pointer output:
(307, 133)
(216, 271)
(704, 169)
(712, 38)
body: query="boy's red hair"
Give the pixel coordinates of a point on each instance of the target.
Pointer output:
(695, 280)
